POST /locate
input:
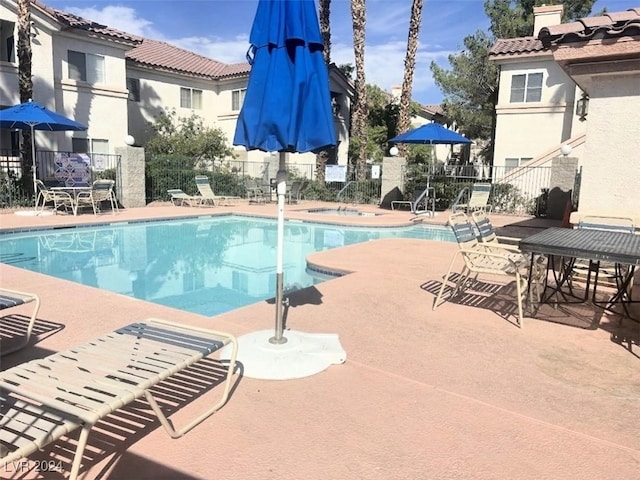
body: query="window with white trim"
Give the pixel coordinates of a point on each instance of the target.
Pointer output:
(191, 98)
(526, 88)
(237, 99)
(85, 67)
(515, 162)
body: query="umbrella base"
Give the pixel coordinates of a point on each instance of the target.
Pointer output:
(303, 355)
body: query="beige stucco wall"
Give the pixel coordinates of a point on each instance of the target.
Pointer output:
(528, 130)
(611, 158)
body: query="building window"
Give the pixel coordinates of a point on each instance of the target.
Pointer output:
(191, 98)
(7, 47)
(133, 85)
(526, 88)
(86, 67)
(81, 145)
(237, 99)
(511, 164)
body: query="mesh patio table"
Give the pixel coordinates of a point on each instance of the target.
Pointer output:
(595, 246)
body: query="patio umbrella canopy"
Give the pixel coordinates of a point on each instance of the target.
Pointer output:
(287, 108)
(430, 134)
(33, 116)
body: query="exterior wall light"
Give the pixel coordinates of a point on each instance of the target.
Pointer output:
(582, 107)
(393, 151)
(565, 149)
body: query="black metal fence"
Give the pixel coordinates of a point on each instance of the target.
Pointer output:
(236, 177)
(513, 190)
(54, 168)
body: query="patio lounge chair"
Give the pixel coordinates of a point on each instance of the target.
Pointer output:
(494, 260)
(179, 198)
(101, 191)
(45, 399)
(13, 298)
(295, 191)
(478, 199)
(208, 196)
(59, 198)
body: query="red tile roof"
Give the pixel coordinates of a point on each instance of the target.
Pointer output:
(516, 46)
(73, 21)
(606, 26)
(153, 53)
(609, 25)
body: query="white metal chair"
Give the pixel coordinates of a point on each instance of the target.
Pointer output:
(478, 258)
(101, 191)
(60, 199)
(607, 274)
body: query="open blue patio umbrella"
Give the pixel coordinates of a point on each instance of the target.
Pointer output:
(33, 116)
(287, 105)
(430, 134)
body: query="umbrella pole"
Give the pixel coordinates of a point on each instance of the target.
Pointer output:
(281, 181)
(33, 167)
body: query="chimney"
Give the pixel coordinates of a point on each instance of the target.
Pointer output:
(546, 16)
(396, 91)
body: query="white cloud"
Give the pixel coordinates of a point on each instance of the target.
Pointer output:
(222, 50)
(384, 67)
(120, 18)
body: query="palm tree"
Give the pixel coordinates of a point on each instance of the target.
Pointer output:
(404, 112)
(325, 30)
(25, 83)
(359, 116)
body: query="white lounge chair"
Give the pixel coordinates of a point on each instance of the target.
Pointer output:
(208, 196)
(179, 198)
(45, 399)
(478, 199)
(13, 298)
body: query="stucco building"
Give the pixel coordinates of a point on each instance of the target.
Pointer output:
(575, 84)
(116, 83)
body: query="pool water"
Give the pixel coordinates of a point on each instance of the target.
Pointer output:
(207, 265)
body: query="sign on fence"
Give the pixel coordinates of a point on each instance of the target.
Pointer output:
(335, 173)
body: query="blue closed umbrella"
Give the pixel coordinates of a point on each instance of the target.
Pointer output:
(33, 116)
(287, 105)
(430, 134)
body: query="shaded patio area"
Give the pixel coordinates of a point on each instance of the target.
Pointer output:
(459, 392)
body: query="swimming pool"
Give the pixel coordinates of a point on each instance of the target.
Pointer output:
(206, 265)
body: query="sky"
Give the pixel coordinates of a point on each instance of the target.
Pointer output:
(219, 29)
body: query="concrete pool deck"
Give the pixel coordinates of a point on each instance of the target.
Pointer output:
(455, 393)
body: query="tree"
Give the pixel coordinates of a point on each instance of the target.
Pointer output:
(470, 87)
(404, 120)
(359, 113)
(25, 83)
(188, 137)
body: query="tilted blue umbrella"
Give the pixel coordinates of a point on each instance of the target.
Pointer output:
(33, 116)
(287, 105)
(430, 134)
